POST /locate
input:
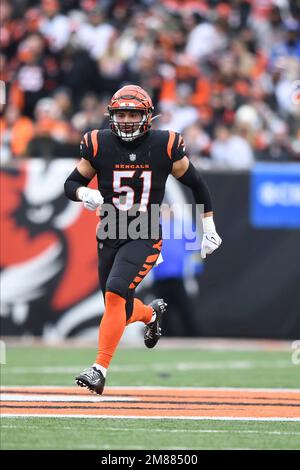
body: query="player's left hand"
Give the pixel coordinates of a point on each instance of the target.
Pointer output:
(210, 242)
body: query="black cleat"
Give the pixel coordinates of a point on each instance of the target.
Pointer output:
(152, 331)
(91, 378)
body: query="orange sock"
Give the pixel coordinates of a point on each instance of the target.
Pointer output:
(141, 312)
(111, 328)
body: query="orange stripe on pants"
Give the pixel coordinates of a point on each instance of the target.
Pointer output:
(152, 258)
(147, 268)
(158, 245)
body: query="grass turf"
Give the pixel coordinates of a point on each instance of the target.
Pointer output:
(189, 368)
(196, 368)
(99, 434)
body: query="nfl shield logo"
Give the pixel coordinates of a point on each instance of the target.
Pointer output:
(132, 157)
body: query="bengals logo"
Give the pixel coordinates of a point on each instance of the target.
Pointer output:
(48, 253)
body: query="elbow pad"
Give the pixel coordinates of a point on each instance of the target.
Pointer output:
(73, 182)
(193, 180)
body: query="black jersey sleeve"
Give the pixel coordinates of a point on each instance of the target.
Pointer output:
(176, 147)
(193, 180)
(89, 146)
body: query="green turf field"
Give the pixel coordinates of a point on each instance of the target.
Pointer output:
(141, 367)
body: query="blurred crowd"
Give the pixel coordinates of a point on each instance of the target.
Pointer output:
(226, 74)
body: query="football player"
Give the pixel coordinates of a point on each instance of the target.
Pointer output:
(132, 164)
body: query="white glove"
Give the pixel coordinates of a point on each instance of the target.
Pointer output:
(91, 198)
(211, 240)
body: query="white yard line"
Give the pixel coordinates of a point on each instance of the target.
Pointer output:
(210, 344)
(158, 387)
(170, 431)
(161, 417)
(64, 398)
(161, 367)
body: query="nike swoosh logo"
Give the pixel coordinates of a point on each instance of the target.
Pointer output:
(214, 241)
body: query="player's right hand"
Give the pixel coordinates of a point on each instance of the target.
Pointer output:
(91, 198)
(211, 241)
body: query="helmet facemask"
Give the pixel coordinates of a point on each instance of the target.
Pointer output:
(130, 98)
(129, 130)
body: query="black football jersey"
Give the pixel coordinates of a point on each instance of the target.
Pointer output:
(131, 178)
